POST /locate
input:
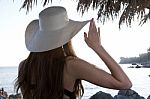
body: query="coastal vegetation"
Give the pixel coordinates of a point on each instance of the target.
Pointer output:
(143, 59)
(125, 10)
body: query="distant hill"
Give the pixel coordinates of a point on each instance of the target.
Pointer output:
(143, 59)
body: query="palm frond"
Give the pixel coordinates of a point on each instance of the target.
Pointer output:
(126, 10)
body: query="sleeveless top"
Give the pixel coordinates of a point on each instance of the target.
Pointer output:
(71, 95)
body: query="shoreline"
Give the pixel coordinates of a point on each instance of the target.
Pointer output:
(4, 95)
(122, 94)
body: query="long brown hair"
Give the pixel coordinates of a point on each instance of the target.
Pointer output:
(41, 74)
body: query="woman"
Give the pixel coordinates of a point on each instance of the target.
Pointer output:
(52, 70)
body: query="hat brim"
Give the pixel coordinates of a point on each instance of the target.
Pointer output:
(47, 40)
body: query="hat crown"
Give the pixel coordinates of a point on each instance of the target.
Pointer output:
(53, 18)
(52, 30)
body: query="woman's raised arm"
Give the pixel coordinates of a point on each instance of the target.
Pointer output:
(116, 79)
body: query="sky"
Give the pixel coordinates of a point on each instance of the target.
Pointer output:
(127, 42)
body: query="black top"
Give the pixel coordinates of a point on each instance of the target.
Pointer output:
(71, 95)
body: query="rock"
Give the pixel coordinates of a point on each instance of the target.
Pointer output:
(122, 97)
(128, 94)
(101, 95)
(12, 96)
(3, 94)
(1, 97)
(17, 96)
(148, 97)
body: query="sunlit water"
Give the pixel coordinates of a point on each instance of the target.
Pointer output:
(139, 77)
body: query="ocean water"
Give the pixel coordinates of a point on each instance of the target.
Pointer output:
(139, 77)
(7, 78)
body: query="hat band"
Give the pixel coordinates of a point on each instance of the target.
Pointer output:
(53, 22)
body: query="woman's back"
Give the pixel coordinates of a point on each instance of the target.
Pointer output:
(52, 70)
(69, 80)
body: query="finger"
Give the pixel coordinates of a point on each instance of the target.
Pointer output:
(85, 34)
(85, 37)
(99, 34)
(99, 31)
(90, 27)
(94, 26)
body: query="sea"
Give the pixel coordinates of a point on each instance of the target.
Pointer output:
(140, 78)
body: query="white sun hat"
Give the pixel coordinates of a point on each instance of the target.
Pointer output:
(52, 30)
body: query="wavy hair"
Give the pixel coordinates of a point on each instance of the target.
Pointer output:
(40, 76)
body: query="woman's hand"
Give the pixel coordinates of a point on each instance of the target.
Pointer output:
(116, 79)
(92, 39)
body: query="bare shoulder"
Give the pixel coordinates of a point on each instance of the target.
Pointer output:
(78, 67)
(68, 58)
(75, 61)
